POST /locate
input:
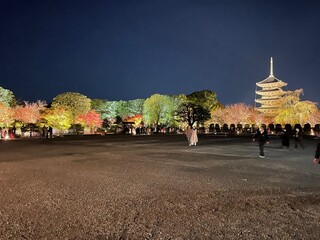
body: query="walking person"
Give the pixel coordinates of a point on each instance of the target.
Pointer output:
(297, 138)
(262, 137)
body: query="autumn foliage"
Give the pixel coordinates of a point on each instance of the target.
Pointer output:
(91, 120)
(6, 115)
(137, 119)
(29, 112)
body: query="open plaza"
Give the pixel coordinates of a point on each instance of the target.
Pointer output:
(157, 187)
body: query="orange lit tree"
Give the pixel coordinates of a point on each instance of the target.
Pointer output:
(137, 119)
(91, 120)
(29, 113)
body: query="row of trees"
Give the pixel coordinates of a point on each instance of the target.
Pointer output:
(66, 112)
(291, 111)
(69, 110)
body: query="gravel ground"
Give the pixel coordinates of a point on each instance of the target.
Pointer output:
(157, 187)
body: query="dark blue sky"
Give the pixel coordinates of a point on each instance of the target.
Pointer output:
(122, 49)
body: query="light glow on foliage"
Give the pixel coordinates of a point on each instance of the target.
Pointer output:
(137, 119)
(294, 111)
(238, 113)
(29, 112)
(76, 103)
(58, 118)
(91, 120)
(6, 115)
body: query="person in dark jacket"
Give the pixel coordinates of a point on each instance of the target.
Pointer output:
(297, 138)
(262, 137)
(317, 153)
(285, 138)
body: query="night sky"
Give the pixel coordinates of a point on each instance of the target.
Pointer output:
(129, 49)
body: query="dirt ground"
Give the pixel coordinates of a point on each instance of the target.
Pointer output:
(157, 187)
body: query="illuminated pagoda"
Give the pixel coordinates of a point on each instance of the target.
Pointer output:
(270, 92)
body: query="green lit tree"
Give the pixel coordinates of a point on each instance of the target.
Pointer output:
(158, 109)
(76, 103)
(135, 107)
(100, 106)
(196, 107)
(7, 98)
(205, 98)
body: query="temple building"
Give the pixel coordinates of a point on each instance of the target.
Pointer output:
(268, 93)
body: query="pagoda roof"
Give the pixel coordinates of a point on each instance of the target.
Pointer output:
(268, 111)
(273, 92)
(267, 100)
(271, 81)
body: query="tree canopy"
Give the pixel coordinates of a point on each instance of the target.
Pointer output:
(292, 110)
(206, 98)
(158, 109)
(7, 98)
(76, 103)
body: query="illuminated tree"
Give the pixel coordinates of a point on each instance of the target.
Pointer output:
(129, 108)
(91, 120)
(217, 116)
(137, 119)
(136, 107)
(122, 110)
(191, 114)
(100, 106)
(159, 109)
(294, 111)
(258, 118)
(29, 113)
(58, 118)
(76, 103)
(7, 98)
(6, 115)
(205, 98)
(237, 113)
(314, 118)
(191, 110)
(111, 111)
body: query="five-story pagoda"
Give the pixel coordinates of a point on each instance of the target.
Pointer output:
(270, 92)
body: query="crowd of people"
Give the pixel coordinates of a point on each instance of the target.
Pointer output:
(261, 136)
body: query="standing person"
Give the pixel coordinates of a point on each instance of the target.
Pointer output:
(44, 131)
(194, 137)
(285, 139)
(188, 134)
(317, 153)
(262, 137)
(50, 131)
(297, 138)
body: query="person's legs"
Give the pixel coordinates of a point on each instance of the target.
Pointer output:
(261, 148)
(301, 144)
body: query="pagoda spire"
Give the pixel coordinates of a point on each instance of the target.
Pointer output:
(271, 67)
